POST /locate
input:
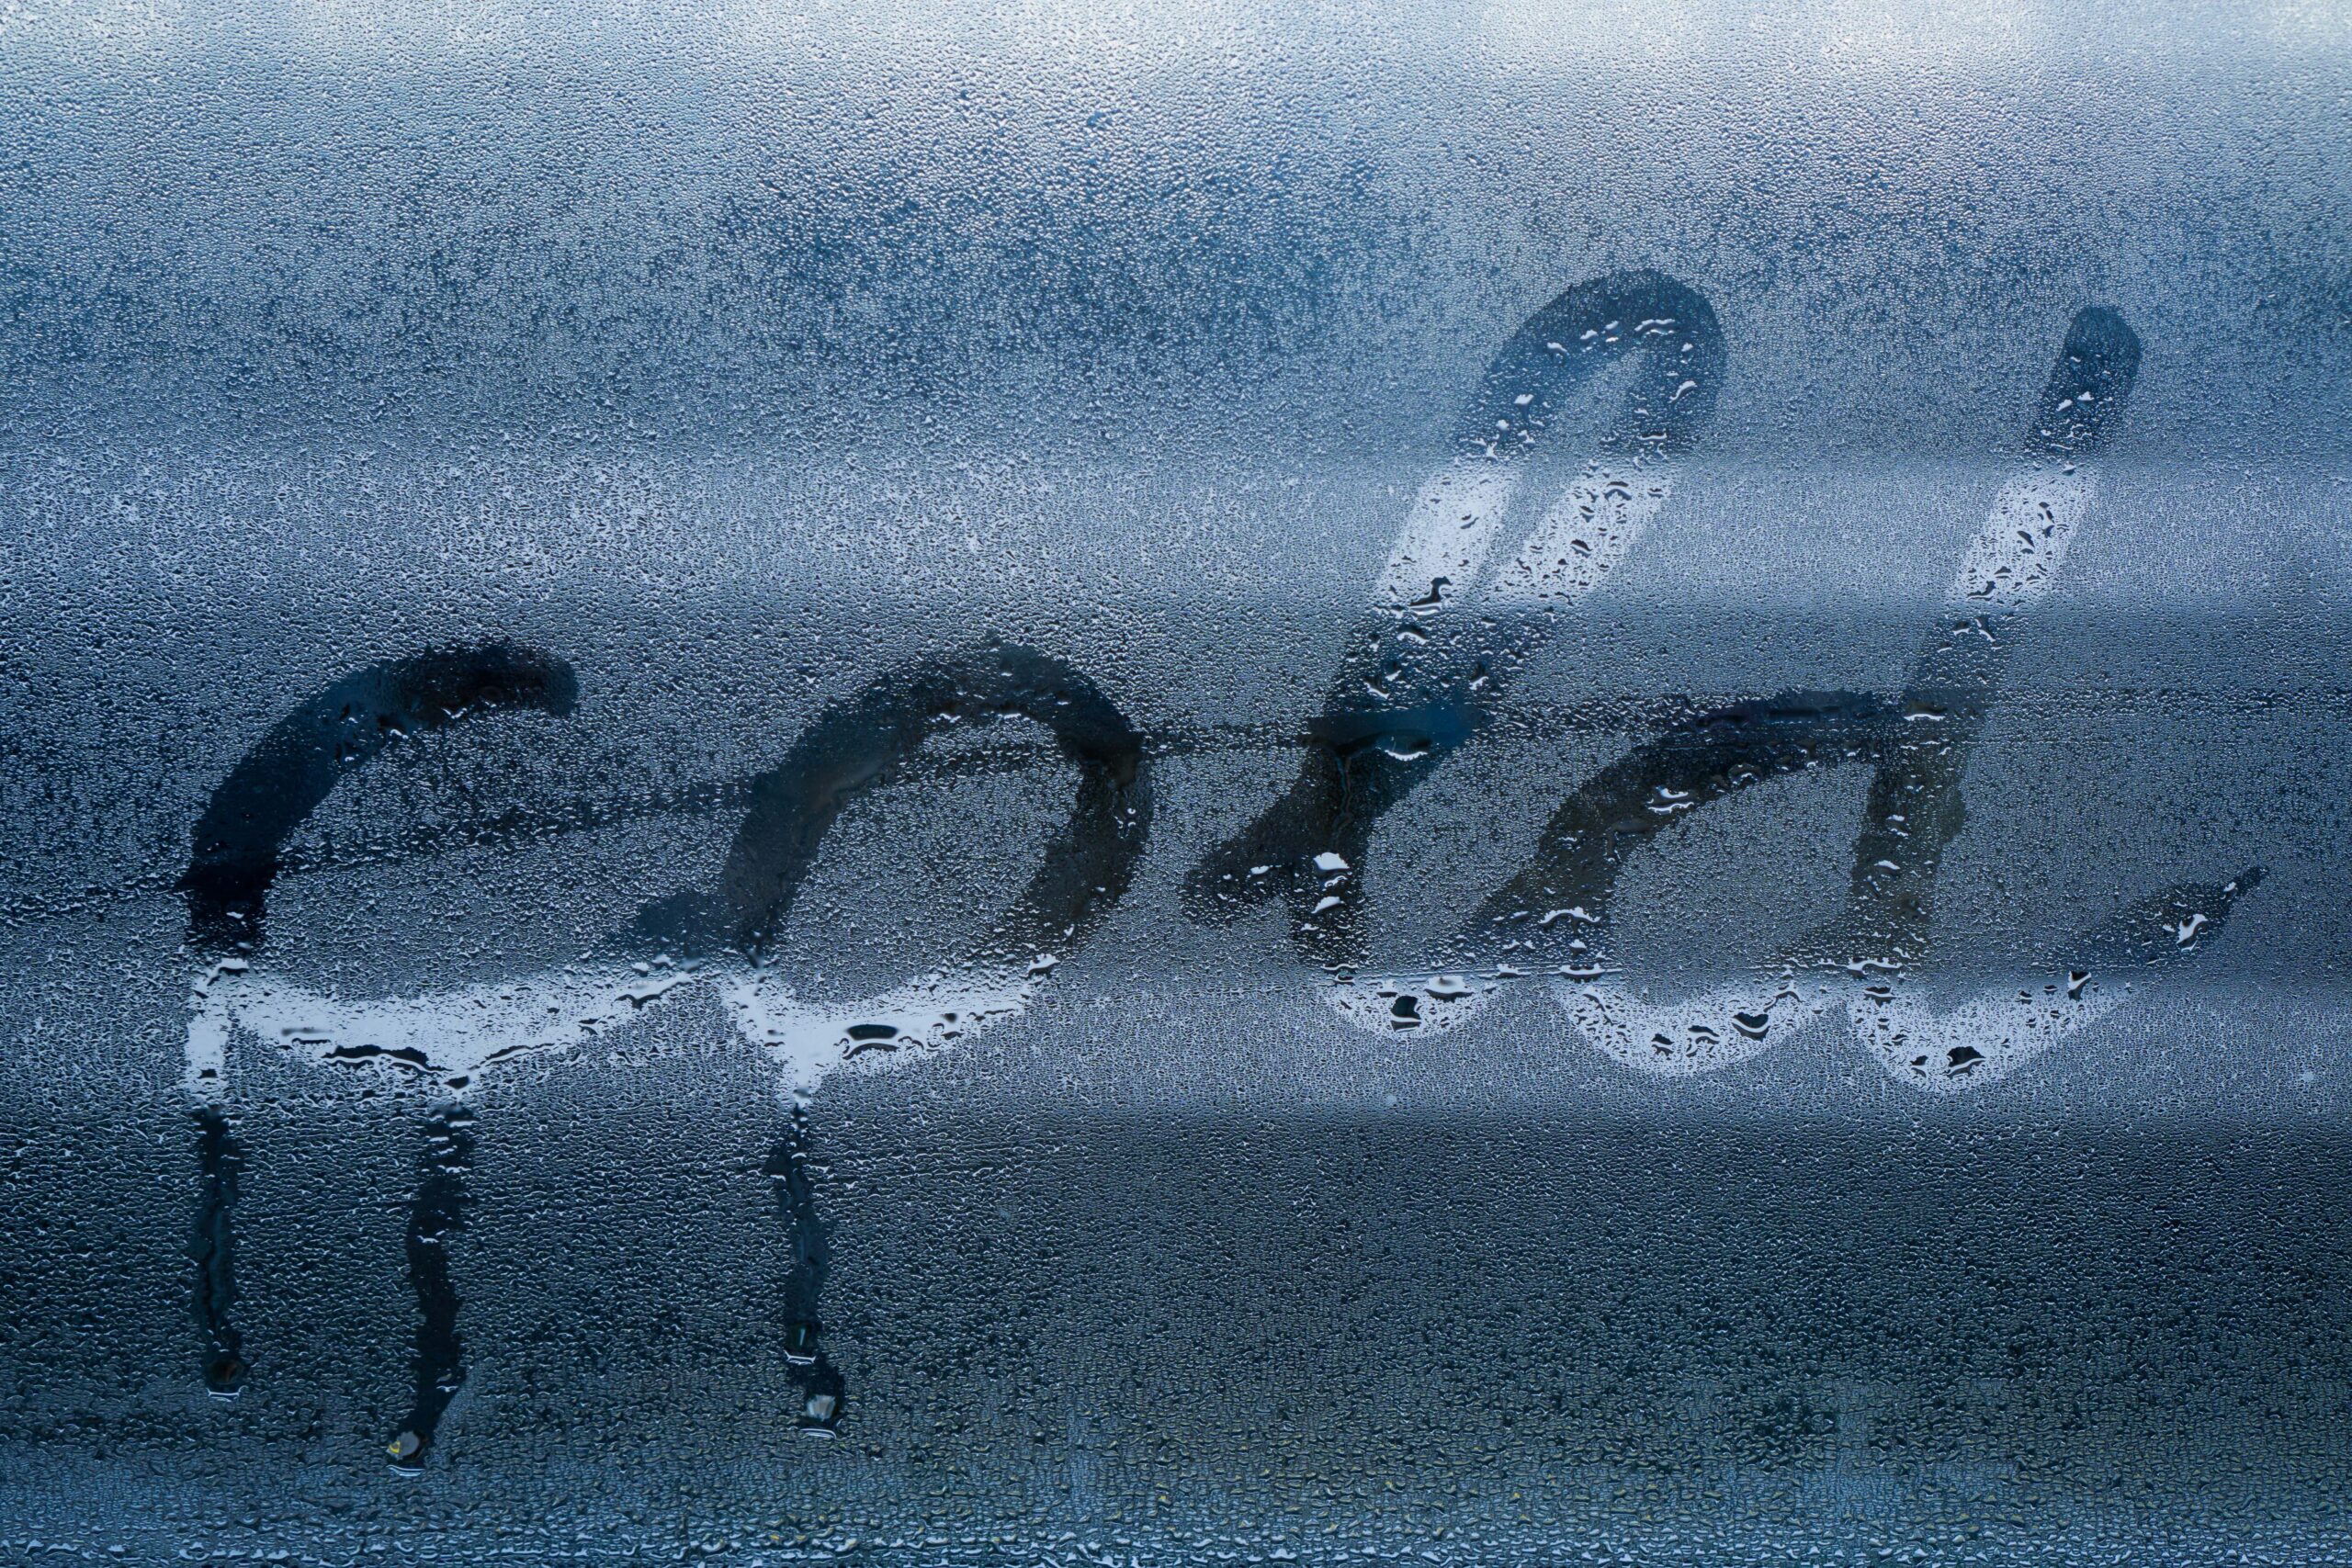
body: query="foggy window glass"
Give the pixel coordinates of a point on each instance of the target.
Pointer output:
(1173, 784)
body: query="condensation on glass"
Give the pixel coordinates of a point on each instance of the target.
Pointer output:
(1170, 785)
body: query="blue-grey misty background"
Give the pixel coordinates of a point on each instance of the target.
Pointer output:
(741, 352)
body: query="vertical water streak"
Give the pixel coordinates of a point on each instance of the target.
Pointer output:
(436, 1213)
(221, 1158)
(820, 1385)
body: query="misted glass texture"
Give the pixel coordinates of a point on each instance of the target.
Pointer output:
(1170, 785)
